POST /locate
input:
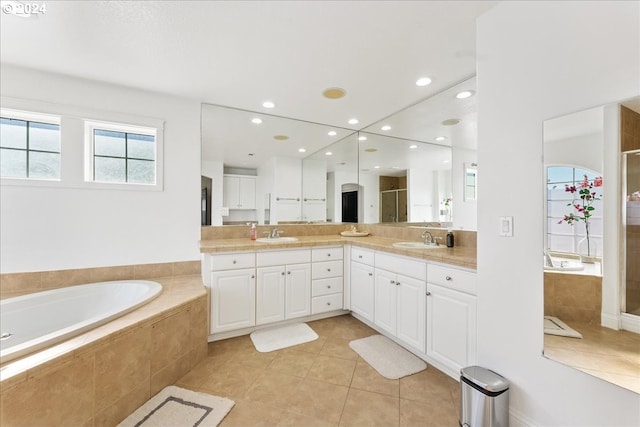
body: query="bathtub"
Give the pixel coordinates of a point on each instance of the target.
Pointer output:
(35, 321)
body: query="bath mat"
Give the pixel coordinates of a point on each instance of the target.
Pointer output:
(555, 326)
(388, 358)
(175, 406)
(266, 340)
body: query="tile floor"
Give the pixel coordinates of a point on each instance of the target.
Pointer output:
(613, 356)
(321, 383)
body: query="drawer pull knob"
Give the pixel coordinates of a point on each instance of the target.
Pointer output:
(370, 274)
(397, 283)
(360, 256)
(234, 261)
(393, 281)
(328, 286)
(328, 254)
(253, 276)
(328, 269)
(288, 272)
(328, 303)
(448, 278)
(428, 293)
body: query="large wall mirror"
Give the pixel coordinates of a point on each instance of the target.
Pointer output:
(591, 279)
(407, 169)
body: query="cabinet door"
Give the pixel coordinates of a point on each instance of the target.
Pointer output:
(247, 193)
(385, 301)
(233, 298)
(411, 311)
(451, 327)
(270, 294)
(297, 291)
(230, 192)
(362, 290)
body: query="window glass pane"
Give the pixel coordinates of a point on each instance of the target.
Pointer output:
(109, 143)
(13, 133)
(44, 165)
(44, 136)
(141, 172)
(560, 174)
(13, 163)
(141, 146)
(109, 169)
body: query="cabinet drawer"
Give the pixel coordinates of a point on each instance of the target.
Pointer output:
(326, 286)
(326, 254)
(326, 303)
(452, 278)
(232, 261)
(362, 255)
(321, 270)
(267, 258)
(404, 266)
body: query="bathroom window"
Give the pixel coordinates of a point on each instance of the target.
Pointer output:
(122, 154)
(29, 146)
(562, 237)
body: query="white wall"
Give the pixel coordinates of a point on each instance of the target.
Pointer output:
(465, 216)
(53, 228)
(539, 60)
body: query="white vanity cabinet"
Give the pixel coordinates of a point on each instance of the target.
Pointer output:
(400, 298)
(239, 191)
(451, 311)
(327, 293)
(233, 282)
(283, 285)
(362, 282)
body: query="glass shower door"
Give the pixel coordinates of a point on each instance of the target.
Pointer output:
(632, 232)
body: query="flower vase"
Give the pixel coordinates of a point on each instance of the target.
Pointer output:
(587, 249)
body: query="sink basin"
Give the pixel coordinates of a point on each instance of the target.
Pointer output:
(565, 265)
(277, 239)
(415, 245)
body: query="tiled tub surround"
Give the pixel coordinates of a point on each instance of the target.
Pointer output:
(101, 376)
(382, 237)
(573, 297)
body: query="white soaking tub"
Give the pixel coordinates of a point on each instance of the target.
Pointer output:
(35, 321)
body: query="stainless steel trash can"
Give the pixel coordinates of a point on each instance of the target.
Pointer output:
(484, 398)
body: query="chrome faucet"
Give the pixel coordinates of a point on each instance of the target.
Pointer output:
(275, 233)
(428, 238)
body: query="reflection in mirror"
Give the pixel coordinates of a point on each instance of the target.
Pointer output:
(255, 163)
(579, 331)
(403, 180)
(470, 181)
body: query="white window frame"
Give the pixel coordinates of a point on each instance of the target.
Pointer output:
(38, 117)
(157, 132)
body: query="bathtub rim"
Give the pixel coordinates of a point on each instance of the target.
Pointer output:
(59, 336)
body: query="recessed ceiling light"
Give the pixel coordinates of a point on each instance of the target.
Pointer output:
(268, 104)
(328, 153)
(413, 146)
(256, 120)
(451, 122)
(362, 138)
(376, 167)
(440, 138)
(385, 127)
(370, 150)
(334, 93)
(445, 161)
(301, 150)
(423, 81)
(353, 121)
(465, 94)
(395, 167)
(280, 137)
(332, 133)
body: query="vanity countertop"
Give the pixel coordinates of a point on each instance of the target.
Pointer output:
(458, 255)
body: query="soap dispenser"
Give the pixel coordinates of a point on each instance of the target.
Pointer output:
(449, 238)
(253, 232)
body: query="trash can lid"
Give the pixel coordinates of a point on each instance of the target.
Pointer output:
(484, 378)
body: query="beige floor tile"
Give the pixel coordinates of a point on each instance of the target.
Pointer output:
(317, 399)
(225, 380)
(338, 347)
(247, 413)
(314, 346)
(290, 419)
(424, 385)
(292, 362)
(350, 331)
(332, 370)
(364, 408)
(324, 327)
(435, 413)
(368, 379)
(273, 388)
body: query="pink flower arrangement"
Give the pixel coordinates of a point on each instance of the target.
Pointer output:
(584, 208)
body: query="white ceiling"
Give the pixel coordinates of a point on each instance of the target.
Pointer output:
(240, 54)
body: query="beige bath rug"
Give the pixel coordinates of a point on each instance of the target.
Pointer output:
(175, 406)
(388, 358)
(278, 337)
(555, 326)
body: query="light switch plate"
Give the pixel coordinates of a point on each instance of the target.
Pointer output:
(506, 226)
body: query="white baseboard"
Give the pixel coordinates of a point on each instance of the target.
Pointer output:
(610, 321)
(631, 323)
(518, 419)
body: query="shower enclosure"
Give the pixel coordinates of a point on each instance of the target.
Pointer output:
(631, 232)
